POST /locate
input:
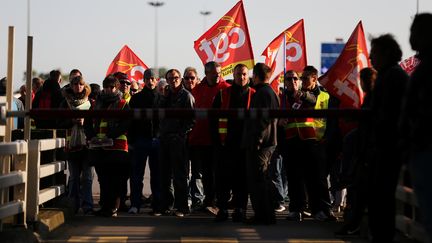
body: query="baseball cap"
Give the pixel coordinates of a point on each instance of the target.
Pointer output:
(122, 77)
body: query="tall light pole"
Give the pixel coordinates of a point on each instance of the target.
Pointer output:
(204, 13)
(156, 4)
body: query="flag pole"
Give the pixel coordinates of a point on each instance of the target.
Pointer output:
(284, 52)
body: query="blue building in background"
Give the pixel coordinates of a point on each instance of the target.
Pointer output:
(329, 54)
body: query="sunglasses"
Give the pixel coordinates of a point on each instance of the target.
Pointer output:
(291, 78)
(125, 82)
(189, 77)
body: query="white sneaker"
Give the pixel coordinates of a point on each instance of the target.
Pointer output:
(179, 214)
(280, 209)
(133, 210)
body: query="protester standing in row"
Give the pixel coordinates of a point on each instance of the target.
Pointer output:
(231, 166)
(144, 144)
(202, 153)
(260, 140)
(80, 172)
(173, 146)
(109, 148)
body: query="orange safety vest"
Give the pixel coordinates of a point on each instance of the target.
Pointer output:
(225, 102)
(120, 142)
(304, 128)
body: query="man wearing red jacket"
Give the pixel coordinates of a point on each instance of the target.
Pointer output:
(200, 142)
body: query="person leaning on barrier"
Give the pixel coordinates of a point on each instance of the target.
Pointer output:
(109, 148)
(173, 150)
(81, 176)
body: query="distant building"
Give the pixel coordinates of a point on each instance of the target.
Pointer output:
(329, 54)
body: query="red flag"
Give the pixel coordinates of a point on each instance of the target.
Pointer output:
(294, 57)
(128, 62)
(227, 42)
(410, 64)
(342, 80)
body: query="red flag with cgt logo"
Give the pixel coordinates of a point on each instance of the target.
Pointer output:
(342, 80)
(128, 62)
(294, 57)
(227, 42)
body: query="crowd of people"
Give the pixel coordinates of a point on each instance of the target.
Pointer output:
(216, 164)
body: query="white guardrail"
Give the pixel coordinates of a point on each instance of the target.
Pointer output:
(406, 201)
(36, 197)
(22, 170)
(14, 158)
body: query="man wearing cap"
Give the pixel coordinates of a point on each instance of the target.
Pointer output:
(144, 144)
(125, 84)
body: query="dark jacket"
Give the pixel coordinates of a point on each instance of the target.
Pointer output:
(238, 99)
(143, 128)
(417, 109)
(48, 97)
(183, 99)
(386, 104)
(262, 132)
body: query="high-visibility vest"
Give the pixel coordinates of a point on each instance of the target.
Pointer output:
(225, 102)
(120, 142)
(304, 128)
(320, 123)
(127, 97)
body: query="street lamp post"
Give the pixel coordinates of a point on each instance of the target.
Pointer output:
(204, 13)
(156, 4)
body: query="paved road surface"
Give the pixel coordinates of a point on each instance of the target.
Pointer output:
(197, 227)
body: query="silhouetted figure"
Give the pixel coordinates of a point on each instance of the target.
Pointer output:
(416, 118)
(386, 162)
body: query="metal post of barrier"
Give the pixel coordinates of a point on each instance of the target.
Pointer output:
(28, 99)
(33, 180)
(9, 123)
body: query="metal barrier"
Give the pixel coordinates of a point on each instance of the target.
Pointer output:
(14, 156)
(407, 213)
(35, 195)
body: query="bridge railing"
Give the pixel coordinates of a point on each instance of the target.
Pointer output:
(37, 171)
(408, 218)
(13, 181)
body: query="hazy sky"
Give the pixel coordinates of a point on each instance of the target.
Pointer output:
(87, 34)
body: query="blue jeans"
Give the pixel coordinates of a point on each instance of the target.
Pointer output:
(196, 188)
(421, 167)
(143, 149)
(80, 180)
(277, 173)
